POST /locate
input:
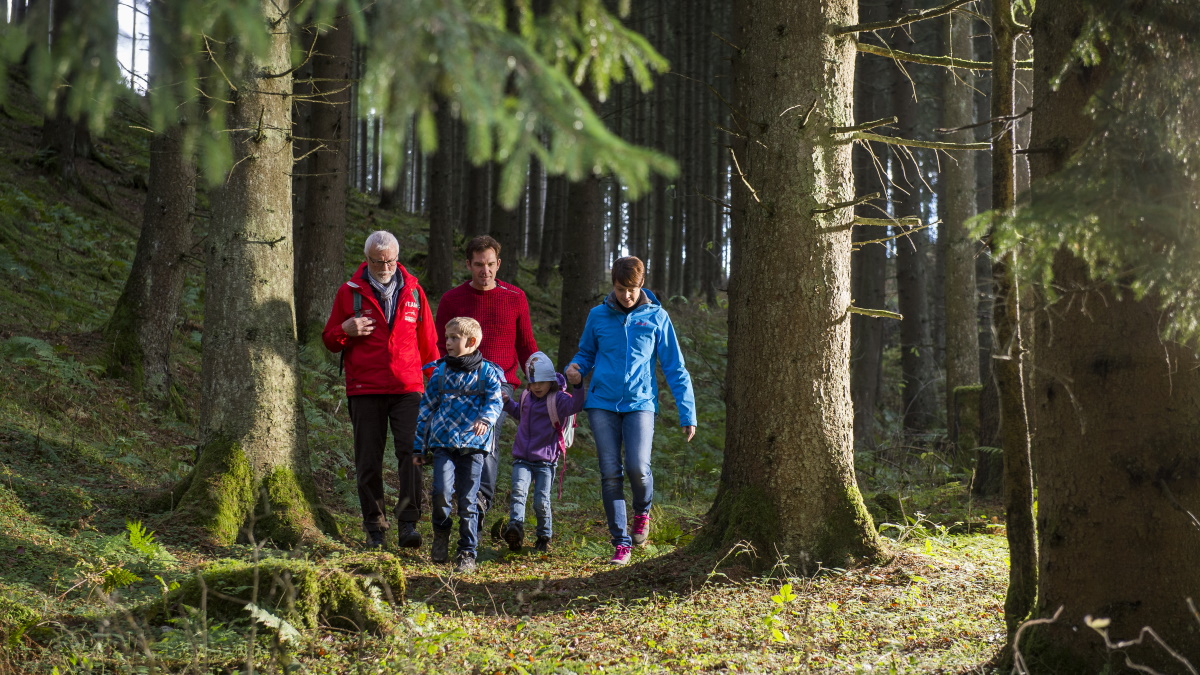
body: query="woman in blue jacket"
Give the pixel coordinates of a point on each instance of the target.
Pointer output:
(621, 342)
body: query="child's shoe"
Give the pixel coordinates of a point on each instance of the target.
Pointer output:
(466, 563)
(542, 545)
(641, 529)
(440, 551)
(514, 534)
(621, 555)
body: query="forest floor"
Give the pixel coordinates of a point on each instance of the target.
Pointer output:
(84, 461)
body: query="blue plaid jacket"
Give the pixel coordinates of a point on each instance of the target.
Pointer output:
(453, 400)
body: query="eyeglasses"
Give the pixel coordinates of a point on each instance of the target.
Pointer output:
(385, 263)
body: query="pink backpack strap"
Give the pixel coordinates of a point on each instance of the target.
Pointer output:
(552, 408)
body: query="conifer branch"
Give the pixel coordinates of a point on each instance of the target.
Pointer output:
(865, 125)
(845, 205)
(911, 17)
(912, 143)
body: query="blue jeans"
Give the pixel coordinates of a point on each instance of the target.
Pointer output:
(542, 475)
(456, 477)
(491, 465)
(636, 431)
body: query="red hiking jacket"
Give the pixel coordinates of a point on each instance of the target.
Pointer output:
(389, 360)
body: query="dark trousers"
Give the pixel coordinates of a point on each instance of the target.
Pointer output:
(491, 466)
(371, 415)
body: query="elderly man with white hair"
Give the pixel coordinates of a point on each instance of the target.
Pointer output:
(382, 325)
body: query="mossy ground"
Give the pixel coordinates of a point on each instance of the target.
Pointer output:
(80, 454)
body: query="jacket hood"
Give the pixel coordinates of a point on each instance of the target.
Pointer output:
(646, 298)
(562, 381)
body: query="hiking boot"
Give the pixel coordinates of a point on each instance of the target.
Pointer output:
(466, 563)
(542, 545)
(440, 551)
(621, 555)
(374, 540)
(641, 529)
(408, 537)
(514, 534)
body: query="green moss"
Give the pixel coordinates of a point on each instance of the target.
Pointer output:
(15, 619)
(287, 511)
(220, 492)
(741, 513)
(123, 358)
(351, 593)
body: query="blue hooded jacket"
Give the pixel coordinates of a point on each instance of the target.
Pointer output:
(620, 351)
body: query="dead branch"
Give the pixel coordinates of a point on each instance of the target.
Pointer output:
(911, 17)
(865, 125)
(845, 205)
(912, 143)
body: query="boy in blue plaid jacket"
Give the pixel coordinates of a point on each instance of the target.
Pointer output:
(458, 417)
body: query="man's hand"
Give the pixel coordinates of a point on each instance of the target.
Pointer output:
(480, 427)
(419, 460)
(359, 327)
(572, 373)
(689, 431)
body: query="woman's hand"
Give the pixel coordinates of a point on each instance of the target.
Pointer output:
(689, 431)
(572, 374)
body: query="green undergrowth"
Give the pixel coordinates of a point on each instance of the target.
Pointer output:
(99, 574)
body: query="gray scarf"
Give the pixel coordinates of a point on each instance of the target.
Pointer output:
(386, 294)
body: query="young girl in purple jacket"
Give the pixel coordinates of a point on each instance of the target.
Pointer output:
(537, 448)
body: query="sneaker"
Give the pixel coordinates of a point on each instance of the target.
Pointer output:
(408, 537)
(621, 555)
(514, 534)
(440, 551)
(641, 528)
(374, 540)
(466, 563)
(542, 545)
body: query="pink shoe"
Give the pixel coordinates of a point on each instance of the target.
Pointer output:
(641, 528)
(621, 556)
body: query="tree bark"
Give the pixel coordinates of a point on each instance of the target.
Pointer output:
(580, 268)
(556, 190)
(504, 226)
(1009, 349)
(322, 247)
(143, 323)
(962, 332)
(477, 211)
(787, 483)
(58, 129)
(439, 263)
(1117, 470)
(253, 470)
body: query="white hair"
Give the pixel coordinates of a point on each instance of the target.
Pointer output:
(381, 240)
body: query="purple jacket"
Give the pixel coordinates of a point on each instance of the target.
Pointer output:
(537, 439)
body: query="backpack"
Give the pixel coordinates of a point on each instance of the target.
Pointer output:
(566, 428)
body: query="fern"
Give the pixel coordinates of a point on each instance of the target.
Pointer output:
(142, 541)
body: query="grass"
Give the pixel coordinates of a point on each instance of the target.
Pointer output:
(81, 457)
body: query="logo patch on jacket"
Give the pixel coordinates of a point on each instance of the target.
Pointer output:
(410, 311)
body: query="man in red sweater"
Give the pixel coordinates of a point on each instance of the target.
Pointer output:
(382, 325)
(503, 312)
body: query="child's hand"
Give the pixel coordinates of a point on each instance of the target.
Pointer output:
(480, 427)
(419, 460)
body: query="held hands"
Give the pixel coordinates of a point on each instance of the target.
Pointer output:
(689, 431)
(572, 374)
(419, 460)
(480, 427)
(359, 327)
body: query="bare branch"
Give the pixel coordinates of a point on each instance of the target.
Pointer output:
(845, 205)
(877, 313)
(736, 165)
(932, 145)
(911, 17)
(865, 125)
(944, 61)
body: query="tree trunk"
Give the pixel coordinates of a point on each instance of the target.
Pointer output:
(556, 189)
(143, 323)
(253, 470)
(504, 228)
(322, 243)
(476, 214)
(580, 268)
(537, 209)
(439, 264)
(58, 129)
(1115, 445)
(958, 175)
(787, 484)
(1009, 350)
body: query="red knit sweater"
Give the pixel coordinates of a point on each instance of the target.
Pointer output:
(503, 312)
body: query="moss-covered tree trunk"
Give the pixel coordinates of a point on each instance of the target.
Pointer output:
(253, 465)
(962, 333)
(1118, 411)
(320, 264)
(788, 482)
(143, 323)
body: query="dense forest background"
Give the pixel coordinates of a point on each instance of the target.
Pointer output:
(931, 265)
